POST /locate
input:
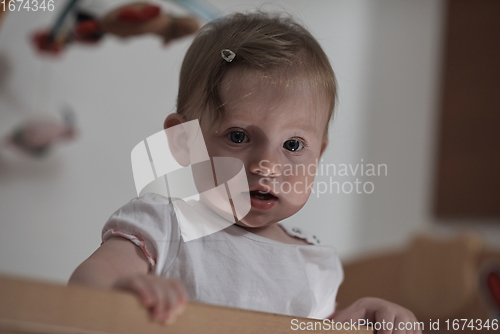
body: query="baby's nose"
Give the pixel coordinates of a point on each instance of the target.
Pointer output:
(266, 168)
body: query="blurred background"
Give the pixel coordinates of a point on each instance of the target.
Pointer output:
(388, 59)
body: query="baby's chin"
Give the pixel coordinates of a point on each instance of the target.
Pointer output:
(256, 220)
(253, 224)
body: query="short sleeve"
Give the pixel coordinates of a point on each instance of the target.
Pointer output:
(150, 223)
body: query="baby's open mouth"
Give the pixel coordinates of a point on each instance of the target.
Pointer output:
(262, 195)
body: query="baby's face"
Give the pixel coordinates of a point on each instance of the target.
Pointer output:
(278, 136)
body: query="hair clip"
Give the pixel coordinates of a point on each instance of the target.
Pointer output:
(228, 55)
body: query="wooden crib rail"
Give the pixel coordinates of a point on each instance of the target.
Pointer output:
(28, 306)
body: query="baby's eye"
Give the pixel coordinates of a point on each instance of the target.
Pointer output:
(293, 145)
(238, 137)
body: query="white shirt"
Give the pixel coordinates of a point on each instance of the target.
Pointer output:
(232, 267)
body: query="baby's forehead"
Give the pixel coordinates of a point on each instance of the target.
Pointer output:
(282, 79)
(273, 88)
(245, 90)
(256, 102)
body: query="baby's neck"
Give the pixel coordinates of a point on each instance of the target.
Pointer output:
(275, 232)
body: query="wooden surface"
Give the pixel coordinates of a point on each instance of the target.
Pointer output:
(37, 307)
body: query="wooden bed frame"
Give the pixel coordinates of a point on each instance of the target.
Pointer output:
(28, 306)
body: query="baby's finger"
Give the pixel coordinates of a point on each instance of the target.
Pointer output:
(403, 325)
(175, 298)
(386, 320)
(147, 295)
(160, 311)
(349, 314)
(180, 296)
(140, 287)
(417, 328)
(415, 324)
(172, 309)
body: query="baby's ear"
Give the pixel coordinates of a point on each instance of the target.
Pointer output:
(185, 140)
(177, 138)
(173, 120)
(324, 144)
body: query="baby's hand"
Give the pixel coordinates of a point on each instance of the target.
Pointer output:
(164, 298)
(379, 310)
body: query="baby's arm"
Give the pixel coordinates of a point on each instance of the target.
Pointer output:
(119, 264)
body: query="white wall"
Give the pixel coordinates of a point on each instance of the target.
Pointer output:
(402, 108)
(386, 55)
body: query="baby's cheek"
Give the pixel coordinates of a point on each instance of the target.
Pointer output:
(299, 189)
(308, 185)
(306, 178)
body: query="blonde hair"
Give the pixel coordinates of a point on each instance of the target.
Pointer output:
(268, 43)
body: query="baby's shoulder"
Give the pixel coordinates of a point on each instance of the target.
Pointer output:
(150, 204)
(148, 212)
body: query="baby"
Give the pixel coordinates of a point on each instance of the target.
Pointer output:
(264, 92)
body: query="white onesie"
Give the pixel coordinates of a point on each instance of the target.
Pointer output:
(232, 267)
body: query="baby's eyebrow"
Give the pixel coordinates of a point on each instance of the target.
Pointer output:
(236, 123)
(304, 127)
